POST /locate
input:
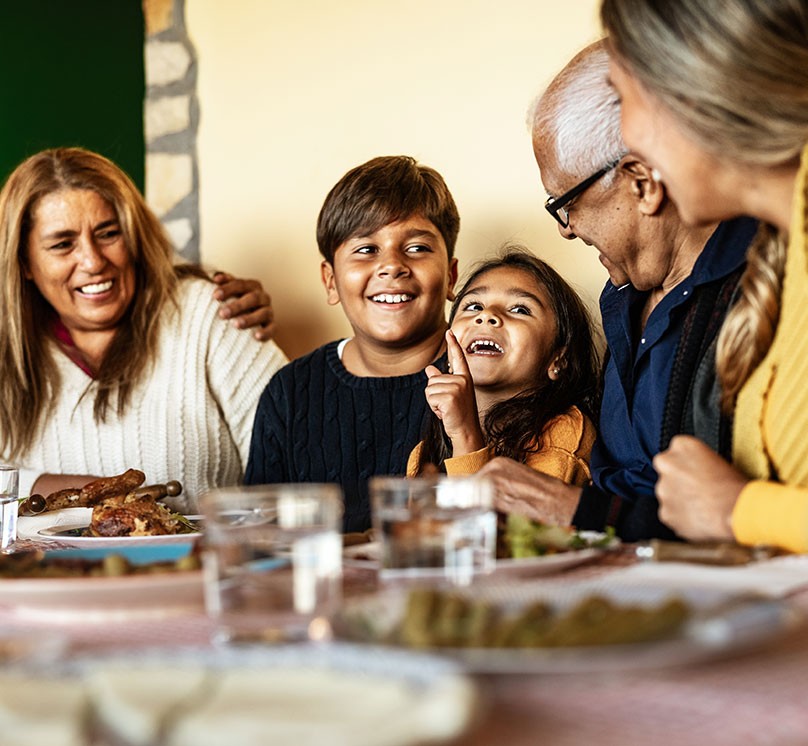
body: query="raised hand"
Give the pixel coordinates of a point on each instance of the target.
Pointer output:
(697, 490)
(451, 397)
(246, 303)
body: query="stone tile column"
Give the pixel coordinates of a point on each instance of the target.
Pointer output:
(171, 118)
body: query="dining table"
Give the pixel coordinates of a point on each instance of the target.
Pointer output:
(746, 694)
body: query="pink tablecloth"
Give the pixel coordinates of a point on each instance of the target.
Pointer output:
(759, 697)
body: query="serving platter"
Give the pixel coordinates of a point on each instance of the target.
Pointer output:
(548, 563)
(71, 535)
(368, 557)
(106, 598)
(720, 625)
(67, 527)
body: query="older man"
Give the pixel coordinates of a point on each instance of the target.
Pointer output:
(670, 286)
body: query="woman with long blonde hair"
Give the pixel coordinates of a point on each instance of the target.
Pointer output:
(111, 355)
(715, 96)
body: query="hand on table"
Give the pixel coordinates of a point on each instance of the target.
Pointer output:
(246, 303)
(451, 397)
(524, 491)
(697, 489)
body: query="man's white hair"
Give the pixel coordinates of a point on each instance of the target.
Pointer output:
(579, 113)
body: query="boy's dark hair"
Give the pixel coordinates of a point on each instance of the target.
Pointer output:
(385, 190)
(513, 427)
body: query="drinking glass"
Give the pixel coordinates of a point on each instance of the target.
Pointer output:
(9, 500)
(438, 527)
(272, 561)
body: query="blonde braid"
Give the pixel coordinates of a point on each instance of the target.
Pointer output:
(749, 328)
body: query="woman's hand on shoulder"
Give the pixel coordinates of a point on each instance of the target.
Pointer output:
(530, 493)
(697, 489)
(246, 303)
(451, 397)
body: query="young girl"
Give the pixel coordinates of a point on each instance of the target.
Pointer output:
(523, 375)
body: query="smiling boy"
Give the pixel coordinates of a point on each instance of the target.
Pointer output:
(355, 407)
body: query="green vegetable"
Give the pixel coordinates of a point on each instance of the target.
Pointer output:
(526, 538)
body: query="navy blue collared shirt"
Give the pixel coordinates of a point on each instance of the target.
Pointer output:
(638, 374)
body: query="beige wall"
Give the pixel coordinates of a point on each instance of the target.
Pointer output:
(293, 93)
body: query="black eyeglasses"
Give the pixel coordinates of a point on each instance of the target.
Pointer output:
(557, 206)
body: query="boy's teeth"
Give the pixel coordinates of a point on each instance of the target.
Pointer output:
(390, 298)
(98, 287)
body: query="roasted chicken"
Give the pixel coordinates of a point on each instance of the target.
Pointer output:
(121, 505)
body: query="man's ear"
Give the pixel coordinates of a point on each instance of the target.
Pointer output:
(450, 295)
(645, 186)
(329, 283)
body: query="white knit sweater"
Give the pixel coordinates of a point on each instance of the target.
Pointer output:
(190, 418)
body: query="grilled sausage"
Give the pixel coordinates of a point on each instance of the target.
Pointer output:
(94, 492)
(86, 497)
(69, 498)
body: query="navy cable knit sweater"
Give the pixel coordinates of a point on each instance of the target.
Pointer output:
(316, 422)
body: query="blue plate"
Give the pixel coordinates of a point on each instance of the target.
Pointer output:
(142, 554)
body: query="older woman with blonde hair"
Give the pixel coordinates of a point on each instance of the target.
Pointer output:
(715, 96)
(112, 356)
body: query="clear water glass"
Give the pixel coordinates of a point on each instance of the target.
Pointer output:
(9, 501)
(434, 527)
(272, 561)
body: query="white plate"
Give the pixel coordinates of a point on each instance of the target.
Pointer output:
(63, 525)
(721, 625)
(301, 694)
(67, 535)
(367, 556)
(548, 563)
(105, 599)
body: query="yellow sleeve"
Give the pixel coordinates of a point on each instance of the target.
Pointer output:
(770, 413)
(567, 444)
(469, 463)
(568, 441)
(772, 513)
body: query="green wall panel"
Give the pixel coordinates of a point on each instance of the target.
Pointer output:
(71, 73)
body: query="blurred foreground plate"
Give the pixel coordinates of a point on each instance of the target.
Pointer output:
(719, 625)
(302, 695)
(21, 648)
(103, 599)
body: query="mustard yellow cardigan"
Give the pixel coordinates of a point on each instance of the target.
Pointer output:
(567, 443)
(770, 440)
